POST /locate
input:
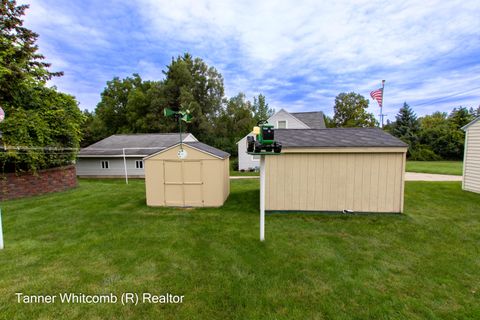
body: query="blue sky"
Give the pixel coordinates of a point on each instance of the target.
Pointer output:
(299, 54)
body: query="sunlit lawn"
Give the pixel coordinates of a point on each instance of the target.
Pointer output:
(101, 238)
(439, 167)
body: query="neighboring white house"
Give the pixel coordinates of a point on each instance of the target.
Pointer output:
(471, 159)
(280, 120)
(110, 156)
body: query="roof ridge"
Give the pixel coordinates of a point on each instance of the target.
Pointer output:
(319, 111)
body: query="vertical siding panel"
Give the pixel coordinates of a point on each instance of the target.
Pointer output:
(397, 189)
(312, 175)
(327, 172)
(402, 180)
(341, 160)
(319, 181)
(350, 193)
(389, 196)
(393, 189)
(283, 173)
(382, 181)
(291, 182)
(374, 193)
(357, 182)
(303, 181)
(366, 182)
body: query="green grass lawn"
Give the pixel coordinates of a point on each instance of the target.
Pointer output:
(101, 238)
(439, 167)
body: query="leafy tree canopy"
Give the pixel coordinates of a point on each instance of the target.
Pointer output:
(350, 110)
(36, 116)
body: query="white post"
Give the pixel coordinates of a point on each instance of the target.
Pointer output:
(1, 231)
(125, 166)
(262, 198)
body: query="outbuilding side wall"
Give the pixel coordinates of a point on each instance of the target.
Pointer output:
(92, 167)
(471, 175)
(362, 182)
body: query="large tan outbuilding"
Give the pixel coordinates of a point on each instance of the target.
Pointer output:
(356, 169)
(199, 179)
(471, 159)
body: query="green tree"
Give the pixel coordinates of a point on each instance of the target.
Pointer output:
(191, 84)
(112, 109)
(439, 135)
(41, 123)
(350, 110)
(234, 122)
(261, 109)
(460, 117)
(21, 66)
(328, 121)
(406, 126)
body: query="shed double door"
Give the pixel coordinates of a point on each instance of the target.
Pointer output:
(183, 183)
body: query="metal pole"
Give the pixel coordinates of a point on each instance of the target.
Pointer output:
(262, 198)
(180, 127)
(125, 166)
(1, 231)
(381, 107)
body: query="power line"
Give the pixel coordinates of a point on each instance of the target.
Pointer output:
(446, 97)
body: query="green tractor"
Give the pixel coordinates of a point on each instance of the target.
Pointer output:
(264, 134)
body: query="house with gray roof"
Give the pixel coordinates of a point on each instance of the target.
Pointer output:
(280, 120)
(114, 155)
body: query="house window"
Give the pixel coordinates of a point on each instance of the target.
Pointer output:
(105, 164)
(282, 124)
(139, 164)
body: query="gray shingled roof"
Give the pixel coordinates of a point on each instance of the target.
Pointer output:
(336, 137)
(143, 144)
(313, 119)
(209, 149)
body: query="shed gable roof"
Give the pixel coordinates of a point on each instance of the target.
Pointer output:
(336, 137)
(198, 146)
(135, 144)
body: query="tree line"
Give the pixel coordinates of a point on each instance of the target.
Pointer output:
(437, 136)
(132, 105)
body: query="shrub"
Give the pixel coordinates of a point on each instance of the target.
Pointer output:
(423, 153)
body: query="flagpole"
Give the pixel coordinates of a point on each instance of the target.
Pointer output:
(381, 107)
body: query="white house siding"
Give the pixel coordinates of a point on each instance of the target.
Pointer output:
(471, 174)
(292, 122)
(92, 167)
(246, 161)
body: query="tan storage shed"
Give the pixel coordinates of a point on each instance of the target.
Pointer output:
(471, 159)
(201, 179)
(358, 169)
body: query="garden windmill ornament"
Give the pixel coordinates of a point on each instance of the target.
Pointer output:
(179, 116)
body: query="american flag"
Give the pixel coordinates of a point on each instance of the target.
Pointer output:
(377, 95)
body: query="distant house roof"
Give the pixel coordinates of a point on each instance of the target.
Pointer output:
(469, 124)
(337, 137)
(134, 144)
(199, 146)
(313, 119)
